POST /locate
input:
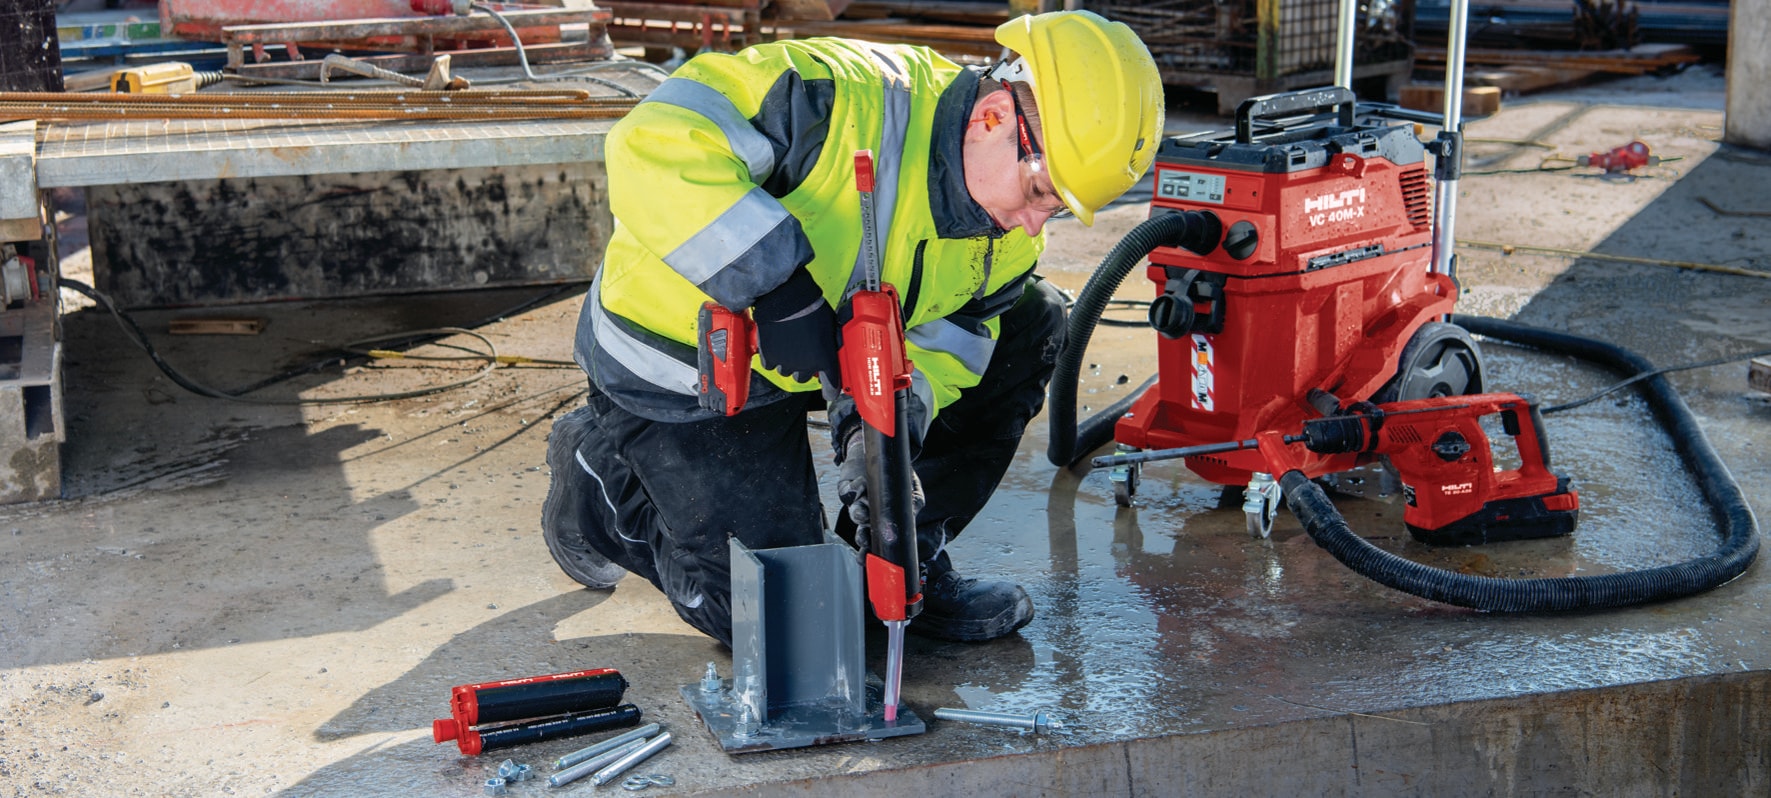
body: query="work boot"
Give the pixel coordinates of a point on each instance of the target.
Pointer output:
(565, 516)
(968, 610)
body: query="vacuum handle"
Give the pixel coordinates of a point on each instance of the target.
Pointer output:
(1393, 111)
(1291, 102)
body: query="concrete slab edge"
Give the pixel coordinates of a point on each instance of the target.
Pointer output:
(1698, 736)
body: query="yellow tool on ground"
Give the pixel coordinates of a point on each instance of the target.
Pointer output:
(172, 77)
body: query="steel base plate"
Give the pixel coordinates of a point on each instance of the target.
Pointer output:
(798, 726)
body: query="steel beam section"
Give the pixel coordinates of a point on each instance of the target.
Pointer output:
(798, 655)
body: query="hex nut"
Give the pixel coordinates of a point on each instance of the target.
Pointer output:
(495, 786)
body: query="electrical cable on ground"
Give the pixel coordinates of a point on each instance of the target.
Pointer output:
(1577, 253)
(1542, 167)
(1615, 387)
(333, 360)
(490, 357)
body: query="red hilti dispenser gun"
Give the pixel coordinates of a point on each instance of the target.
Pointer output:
(876, 373)
(511, 712)
(1620, 160)
(725, 342)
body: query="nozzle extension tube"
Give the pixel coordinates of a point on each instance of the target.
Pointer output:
(1199, 232)
(1733, 516)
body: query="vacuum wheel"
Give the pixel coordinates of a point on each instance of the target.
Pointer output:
(1440, 360)
(1125, 478)
(1260, 505)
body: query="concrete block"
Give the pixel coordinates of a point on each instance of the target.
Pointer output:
(1430, 97)
(19, 219)
(31, 426)
(317, 236)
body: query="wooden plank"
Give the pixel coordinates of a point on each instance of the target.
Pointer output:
(1523, 79)
(1478, 100)
(1636, 60)
(1758, 374)
(214, 325)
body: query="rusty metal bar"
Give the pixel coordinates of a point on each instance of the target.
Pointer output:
(552, 53)
(681, 25)
(325, 30)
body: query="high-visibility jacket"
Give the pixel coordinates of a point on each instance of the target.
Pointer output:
(739, 169)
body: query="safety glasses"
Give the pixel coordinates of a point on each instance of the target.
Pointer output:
(1032, 163)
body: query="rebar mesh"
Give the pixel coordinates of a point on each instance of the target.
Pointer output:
(1223, 36)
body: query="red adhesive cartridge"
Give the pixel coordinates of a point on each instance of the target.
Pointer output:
(527, 698)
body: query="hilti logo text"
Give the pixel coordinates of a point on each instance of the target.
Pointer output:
(1339, 207)
(1457, 488)
(875, 384)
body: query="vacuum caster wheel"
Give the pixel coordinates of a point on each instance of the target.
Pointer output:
(1125, 478)
(1260, 503)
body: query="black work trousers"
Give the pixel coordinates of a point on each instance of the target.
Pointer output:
(662, 499)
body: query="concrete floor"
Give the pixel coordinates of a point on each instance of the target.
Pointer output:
(256, 599)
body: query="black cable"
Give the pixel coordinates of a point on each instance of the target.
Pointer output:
(1525, 171)
(1655, 373)
(353, 358)
(1129, 304)
(136, 336)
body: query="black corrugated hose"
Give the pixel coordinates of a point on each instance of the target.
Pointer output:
(1196, 231)
(1739, 528)
(1740, 539)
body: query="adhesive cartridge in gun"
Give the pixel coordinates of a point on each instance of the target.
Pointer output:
(527, 698)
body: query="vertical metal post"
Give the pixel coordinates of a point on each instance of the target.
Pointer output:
(1346, 33)
(1266, 47)
(1450, 155)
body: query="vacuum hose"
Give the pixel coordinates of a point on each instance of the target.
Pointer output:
(1740, 540)
(1199, 232)
(1195, 231)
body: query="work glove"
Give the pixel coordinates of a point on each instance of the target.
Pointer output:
(796, 329)
(851, 482)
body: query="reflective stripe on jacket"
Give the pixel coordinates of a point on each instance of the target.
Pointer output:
(739, 169)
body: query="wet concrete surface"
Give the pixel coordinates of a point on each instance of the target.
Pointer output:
(260, 599)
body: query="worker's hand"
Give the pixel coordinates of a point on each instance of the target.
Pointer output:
(796, 329)
(851, 485)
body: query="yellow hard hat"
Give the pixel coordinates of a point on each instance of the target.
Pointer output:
(1099, 99)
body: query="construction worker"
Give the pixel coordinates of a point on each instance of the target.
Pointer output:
(734, 182)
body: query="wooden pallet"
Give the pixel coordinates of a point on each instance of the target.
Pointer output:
(1638, 60)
